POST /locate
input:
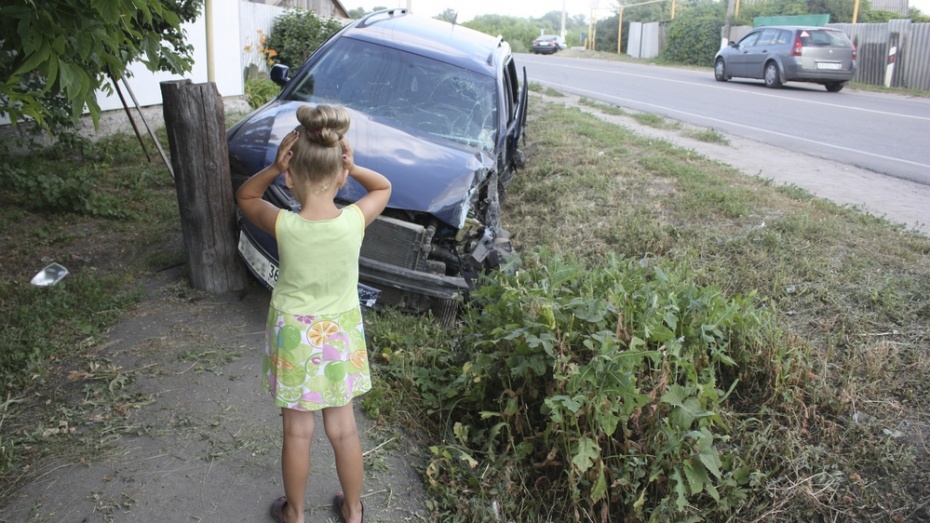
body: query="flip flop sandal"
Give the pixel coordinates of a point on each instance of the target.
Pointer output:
(277, 509)
(338, 501)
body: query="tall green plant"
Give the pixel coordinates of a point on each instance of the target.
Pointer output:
(694, 35)
(295, 35)
(602, 391)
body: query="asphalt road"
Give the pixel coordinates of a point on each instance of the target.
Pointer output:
(885, 133)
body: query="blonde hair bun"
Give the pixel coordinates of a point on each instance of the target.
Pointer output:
(324, 124)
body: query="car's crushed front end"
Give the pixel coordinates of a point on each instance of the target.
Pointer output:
(442, 229)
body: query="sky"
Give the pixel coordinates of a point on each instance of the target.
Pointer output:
(468, 9)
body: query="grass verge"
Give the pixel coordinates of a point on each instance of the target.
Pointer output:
(684, 343)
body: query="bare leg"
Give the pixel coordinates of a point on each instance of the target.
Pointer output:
(295, 461)
(342, 432)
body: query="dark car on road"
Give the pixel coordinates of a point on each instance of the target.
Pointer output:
(437, 108)
(780, 54)
(548, 44)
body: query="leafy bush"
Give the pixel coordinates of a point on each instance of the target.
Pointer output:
(295, 35)
(518, 32)
(260, 91)
(71, 190)
(693, 38)
(601, 392)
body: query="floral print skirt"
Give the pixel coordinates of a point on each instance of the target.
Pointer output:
(315, 362)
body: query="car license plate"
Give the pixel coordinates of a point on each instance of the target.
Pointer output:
(261, 266)
(829, 65)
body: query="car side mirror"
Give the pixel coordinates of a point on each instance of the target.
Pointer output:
(279, 74)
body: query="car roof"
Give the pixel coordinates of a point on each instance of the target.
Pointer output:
(442, 41)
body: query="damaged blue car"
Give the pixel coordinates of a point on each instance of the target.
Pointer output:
(437, 108)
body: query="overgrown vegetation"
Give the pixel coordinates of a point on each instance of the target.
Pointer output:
(684, 343)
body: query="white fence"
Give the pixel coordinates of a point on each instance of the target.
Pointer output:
(875, 43)
(645, 40)
(255, 21)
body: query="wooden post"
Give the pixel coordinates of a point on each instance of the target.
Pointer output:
(196, 128)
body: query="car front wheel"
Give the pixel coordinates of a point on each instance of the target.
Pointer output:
(835, 87)
(720, 71)
(772, 78)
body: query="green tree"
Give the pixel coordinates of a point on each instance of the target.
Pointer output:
(55, 54)
(448, 15)
(518, 32)
(917, 16)
(693, 37)
(605, 34)
(296, 34)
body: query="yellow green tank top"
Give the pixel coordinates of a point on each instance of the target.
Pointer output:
(318, 262)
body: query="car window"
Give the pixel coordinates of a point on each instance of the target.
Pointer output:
(417, 94)
(768, 37)
(750, 39)
(510, 89)
(823, 38)
(783, 38)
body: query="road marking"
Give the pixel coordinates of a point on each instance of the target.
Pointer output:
(711, 86)
(727, 122)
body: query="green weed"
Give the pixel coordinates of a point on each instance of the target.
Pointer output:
(602, 107)
(654, 120)
(709, 136)
(260, 91)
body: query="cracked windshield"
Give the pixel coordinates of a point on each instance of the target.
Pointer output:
(418, 94)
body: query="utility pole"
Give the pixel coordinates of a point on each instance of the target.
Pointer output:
(726, 27)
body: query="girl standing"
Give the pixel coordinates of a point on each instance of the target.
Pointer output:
(316, 357)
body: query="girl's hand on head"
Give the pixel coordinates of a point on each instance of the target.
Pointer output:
(348, 156)
(283, 158)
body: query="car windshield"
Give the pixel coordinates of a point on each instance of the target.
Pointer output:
(422, 96)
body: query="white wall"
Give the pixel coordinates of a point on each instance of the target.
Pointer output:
(226, 64)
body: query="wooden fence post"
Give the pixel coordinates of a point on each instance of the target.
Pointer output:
(195, 122)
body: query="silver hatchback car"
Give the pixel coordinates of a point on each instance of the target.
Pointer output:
(779, 54)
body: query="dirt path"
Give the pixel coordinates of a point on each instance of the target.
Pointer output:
(207, 447)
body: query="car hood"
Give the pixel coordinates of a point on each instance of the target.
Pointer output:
(433, 175)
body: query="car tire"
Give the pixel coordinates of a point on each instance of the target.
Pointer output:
(835, 87)
(772, 76)
(720, 71)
